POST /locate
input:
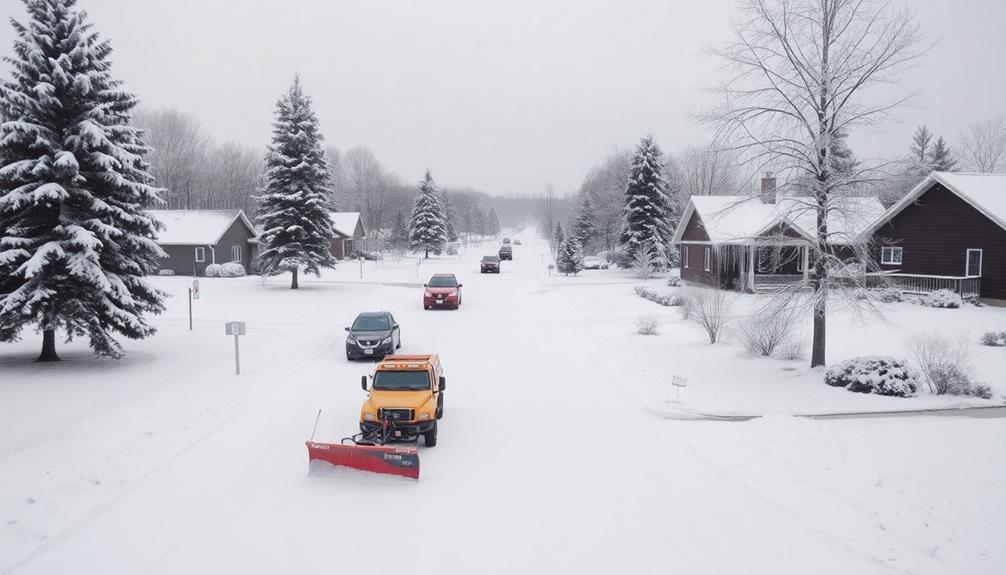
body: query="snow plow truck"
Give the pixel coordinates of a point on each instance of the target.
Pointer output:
(405, 401)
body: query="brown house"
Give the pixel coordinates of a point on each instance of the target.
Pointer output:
(949, 232)
(349, 233)
(759, 242)
(194, 239)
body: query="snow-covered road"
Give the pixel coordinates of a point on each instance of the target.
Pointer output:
(546, 462)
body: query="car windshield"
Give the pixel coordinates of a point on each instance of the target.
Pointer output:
(372, 323)
(401, 380)
(490, 259)
(443, 282)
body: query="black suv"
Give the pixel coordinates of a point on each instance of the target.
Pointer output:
(490, 264)
(374, 334)
(506, 252)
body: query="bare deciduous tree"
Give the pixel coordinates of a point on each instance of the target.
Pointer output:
(983, 146)
(605, 185)
(802, 73)
(178, 152)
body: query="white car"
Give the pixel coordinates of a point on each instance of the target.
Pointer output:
(594, 263)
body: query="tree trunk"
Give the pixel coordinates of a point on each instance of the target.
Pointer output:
(427, 253)
(293, 282)
(820, 316)
(48, 346)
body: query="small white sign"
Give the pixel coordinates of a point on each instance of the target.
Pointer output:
(195, 289)
(235, 328)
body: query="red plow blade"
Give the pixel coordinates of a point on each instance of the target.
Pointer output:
(403, 461)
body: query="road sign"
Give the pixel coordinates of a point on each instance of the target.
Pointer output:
(235, 328)
(195, 289)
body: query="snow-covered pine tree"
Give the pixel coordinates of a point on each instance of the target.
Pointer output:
(583, 226)
(647, 206)
(450, 217)
(569, 260)
(558, 237)
(427, 229)
(482, 225)
(75, 243)
(942, 159)
(296, 229)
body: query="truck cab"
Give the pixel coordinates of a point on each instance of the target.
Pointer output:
(408, 391)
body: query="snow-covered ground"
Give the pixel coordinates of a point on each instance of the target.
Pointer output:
(556, 452)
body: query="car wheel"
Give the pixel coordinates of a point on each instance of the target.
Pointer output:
(430, 437)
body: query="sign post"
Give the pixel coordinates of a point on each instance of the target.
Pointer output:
(193, 294)
(236, 328)
(361, 267)
(678, 382)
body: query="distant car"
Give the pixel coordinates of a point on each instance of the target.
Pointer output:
(374, 334)
(443, 290)
(517, 243)
(506, 241)
(594, 263)
(490, 264)
(506, 252)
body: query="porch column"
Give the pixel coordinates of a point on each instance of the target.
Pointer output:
(805, 256)
(751, 267)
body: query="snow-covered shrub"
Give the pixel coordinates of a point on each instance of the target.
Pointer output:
(665, 299)
(943, 298)
(646, 325)
(994, 338)
(674, 281)
(764, 332)
(945, 364)
(710, 309)
(165, 272)
(685, 309)
(888, 295)
(793, 349)
(213, 271)
(232, 270)
(861, 293)
(879, 375)
(569, 259)
(644, 262)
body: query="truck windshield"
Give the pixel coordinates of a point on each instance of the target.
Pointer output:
(401, 380)
(372, 323)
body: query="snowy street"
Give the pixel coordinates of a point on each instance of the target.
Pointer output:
(548, 459)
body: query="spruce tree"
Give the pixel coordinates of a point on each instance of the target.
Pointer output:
(569, 260)
(583, 226)
(647, 208)
(557, 238)
(941, 159)
(427, 229)
(296, 230)
(75, 242)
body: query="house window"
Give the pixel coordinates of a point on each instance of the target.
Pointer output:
(684, 256)
(200, 255)
(236, 254)
(890, 255)
(974, 263)
(708, 258)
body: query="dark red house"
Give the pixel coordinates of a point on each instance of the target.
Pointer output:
(349, 233)
(949, 232)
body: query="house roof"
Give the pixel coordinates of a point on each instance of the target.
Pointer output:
(196, 227)
(345, 222)
(985, 192)
(741, 219)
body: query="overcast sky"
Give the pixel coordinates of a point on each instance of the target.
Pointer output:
(505, 95)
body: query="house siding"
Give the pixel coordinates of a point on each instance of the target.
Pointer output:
(182, 258)
(237, 234)
(935, 233)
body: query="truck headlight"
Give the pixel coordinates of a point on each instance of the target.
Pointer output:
(369, 417)
(424, 416)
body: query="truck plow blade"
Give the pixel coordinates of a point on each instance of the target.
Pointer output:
(403, 461)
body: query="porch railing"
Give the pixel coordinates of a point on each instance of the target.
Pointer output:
(965, 286)
(775, 281)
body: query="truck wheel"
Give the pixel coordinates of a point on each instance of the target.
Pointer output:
(430, 437)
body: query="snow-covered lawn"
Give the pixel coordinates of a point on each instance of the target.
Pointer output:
(556, 454)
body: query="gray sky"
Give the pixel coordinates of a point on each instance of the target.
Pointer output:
(502, 95)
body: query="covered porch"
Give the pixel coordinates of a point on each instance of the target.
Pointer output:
(765, 265)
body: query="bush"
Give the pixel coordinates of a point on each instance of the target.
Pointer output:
(646, 325)
(945, 365)
(644, 262)
(665, 299)
(762, 333)
(888, 295)
(673, 281)
(994, 338)
(710, 309)
(879, 375)
(213, 271)
(861, 293)
(793, 350)
(165, 272)
(942, 298)
(232, 270)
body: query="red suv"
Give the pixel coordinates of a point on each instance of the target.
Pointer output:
(443, 290)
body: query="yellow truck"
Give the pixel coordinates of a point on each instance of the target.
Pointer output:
(408, 392)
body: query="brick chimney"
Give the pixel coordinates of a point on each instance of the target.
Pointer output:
(768, 188)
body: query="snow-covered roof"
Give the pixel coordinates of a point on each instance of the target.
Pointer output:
(741, 219)
(345, 222)
(196, 227)
(985, 192)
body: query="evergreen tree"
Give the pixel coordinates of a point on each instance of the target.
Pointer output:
(494, 222)
(583, 226)
(296, 229)
(942, 159)
(427, 229)
(482, 225)
(843, 161)
(557, 238)
(75, 243)
(450, 218)
(647, 208)
(920, 145)
(569, 260)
